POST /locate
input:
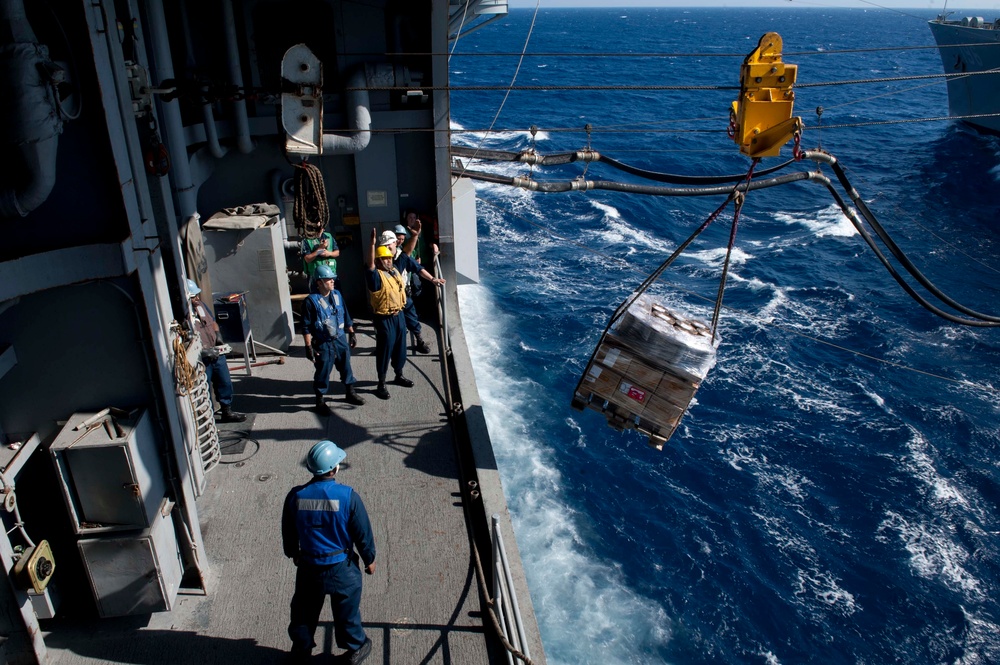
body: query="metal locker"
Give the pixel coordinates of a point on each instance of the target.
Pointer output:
(135, 573)
(110, 471)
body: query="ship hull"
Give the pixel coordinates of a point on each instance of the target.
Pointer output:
(967, 49)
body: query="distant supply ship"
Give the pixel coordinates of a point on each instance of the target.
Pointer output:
(971, 45)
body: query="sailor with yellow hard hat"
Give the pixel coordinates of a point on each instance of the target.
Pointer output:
(387, 296)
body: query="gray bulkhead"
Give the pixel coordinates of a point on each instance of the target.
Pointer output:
(93, 248)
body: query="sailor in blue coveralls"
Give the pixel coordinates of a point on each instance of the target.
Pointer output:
(329, 336)
(321, 524)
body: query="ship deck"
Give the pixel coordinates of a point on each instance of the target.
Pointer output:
(422, 605)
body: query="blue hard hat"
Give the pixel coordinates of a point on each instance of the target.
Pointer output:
(325, 272)
(193, 288)
(402, 230)
(324, 457)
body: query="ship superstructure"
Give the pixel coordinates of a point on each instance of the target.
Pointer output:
(970, 53)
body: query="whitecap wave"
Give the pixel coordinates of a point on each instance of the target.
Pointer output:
(615, 230)
(933, 552)
(981, 639)
(716, 256)
(586, 610)
(830, 221)
(821, 587)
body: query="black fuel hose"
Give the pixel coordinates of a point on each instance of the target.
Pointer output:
(592, 156)
(558, 186)
(686, 179)
(880, 231)
(818, 177)
(978, 319)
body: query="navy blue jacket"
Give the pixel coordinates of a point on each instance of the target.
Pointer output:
(406, 263)
(323, 521)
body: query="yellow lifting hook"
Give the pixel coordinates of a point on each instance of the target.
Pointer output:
(761, 121)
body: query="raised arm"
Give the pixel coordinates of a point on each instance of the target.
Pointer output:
(370, 256)
(411, 242)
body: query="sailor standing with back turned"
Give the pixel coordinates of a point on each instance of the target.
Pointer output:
(321, 524)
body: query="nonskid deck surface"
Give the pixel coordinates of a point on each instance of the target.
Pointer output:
(421, 605)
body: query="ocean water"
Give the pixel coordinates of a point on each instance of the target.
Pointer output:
(832, 494)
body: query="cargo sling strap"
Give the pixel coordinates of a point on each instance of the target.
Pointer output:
(737, 195)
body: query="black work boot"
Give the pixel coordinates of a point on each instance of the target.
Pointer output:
(322, 408)
(352, 397)
(421, 345)
(401, 380)
(381, 392)
(227, 415)
(357, 656)
(299, 656)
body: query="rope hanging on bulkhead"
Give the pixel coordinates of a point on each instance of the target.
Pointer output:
(311, 209)
(184, 373)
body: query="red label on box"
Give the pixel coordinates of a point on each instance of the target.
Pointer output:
(638, 394)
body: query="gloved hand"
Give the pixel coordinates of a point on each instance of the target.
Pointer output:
(352, 340)
(309, 353)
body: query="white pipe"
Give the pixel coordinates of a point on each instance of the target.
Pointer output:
(207, 112)
(243, 140)
(187, 195)
(211, 131)
(39, 160)
(357, 108)
(279, 200)
(36, 124)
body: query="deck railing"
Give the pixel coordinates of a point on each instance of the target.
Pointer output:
(505, 598)
(442, 308)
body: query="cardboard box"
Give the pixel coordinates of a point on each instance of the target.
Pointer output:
(664, 412)
(647, 370)
(600, 380)
(614, 354)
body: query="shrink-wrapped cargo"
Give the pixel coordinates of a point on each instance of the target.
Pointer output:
(647, 368)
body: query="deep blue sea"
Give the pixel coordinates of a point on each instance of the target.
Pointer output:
(833, 494)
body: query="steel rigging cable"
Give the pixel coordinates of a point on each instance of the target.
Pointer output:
(978, 319)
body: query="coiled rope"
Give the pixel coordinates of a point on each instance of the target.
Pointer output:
(184, 374)
(311, 209)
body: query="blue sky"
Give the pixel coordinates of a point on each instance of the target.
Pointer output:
(960, 7)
